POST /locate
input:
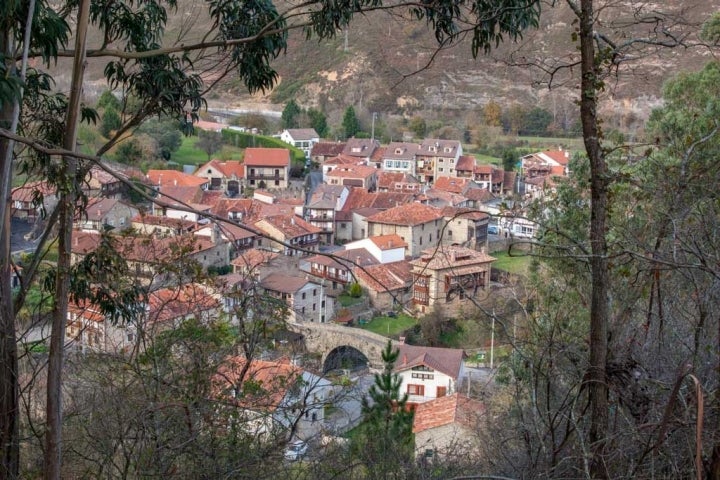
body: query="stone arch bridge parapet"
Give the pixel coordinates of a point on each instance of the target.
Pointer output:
(323, 337)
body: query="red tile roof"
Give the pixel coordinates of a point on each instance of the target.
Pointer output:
(168, 304)
(290, 226)
(352, 171)
(327, 149)
(409, 214)
(228, 168)
(457, 258)
(280, 282)
(174, 178)
(267, 157)
(26, 192)
(460, 212)
(385, 277)
(252, 258)
(466, 163)
(447, 410)
(263, 386)
(451, 184)
(445, 360)
(344, 160)
(388, 242)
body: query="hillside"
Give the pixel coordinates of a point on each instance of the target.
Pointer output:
(384, 66)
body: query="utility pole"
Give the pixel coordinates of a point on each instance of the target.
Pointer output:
(372, 132)
(492, 340)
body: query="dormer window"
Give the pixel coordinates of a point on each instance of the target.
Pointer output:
(398, 151)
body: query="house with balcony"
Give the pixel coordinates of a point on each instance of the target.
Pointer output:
(288, 233)
(337, 268)
(303, 138)
(321, 207)
(307, 300)
(353, 176)
(267, 167)
(465, 166)
(109, 181)
(418, 225)
(448, 277)
(427, 373)
(436, 158)
(227, 176)
(542, 164)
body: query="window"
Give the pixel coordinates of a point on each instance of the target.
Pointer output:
(303, 296)
(209, 170)
(314, 292)
(441, 392)
(416, 390)
(441, 169)
(314, 306)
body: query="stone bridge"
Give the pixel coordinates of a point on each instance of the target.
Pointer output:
(337, 341)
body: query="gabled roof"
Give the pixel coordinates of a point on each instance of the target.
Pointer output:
(452, 184)
(280, 282)
(167, 304)
(290, 226)
(465, 163)
(361, 198)
(267, 157)
(343, 159)
(179, 223)
(459, 259)
(345, 259)
(352, 171)
(176, 196)
(302, 133)
(360, 147)
(479, 194)
(444, 196)
(445, 360)
(97, 208)
(391, 180)
(462, 212)
(252, 258)
(386, 276)
(401, 151)
(228, 168)
(327, 149)
(427, 146)
(174, 178)
(409, 214)
(209, 126)
(325, 196)
(26, 192)
(451, 409)
(263, 387)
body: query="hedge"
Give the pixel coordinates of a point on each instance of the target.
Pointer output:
(245, 140)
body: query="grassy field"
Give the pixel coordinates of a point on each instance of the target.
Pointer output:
(187, 154)
(487, 159)
(390, 327)
(518, 265)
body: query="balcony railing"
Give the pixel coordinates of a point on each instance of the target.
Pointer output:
(264, 176)
(330, 276)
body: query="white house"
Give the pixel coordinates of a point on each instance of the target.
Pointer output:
(302, 138)
(385, 248)
(307, 300)
(427, 373)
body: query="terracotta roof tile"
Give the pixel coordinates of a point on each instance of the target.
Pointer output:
(252, 258)
(267, 157)
(445, 257)
(174, 178)
(409, 214)
(352, 171)
(461, 212)
(448, 410)
(290, 225)
(327, 149)
(388, 242)
(446, 360)
(466, 163)
(385, 277)
(452, 184)
(280, 282)
(267, 382)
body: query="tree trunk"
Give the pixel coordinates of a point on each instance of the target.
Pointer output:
(53, 434)
(599, 309)
(9, 413)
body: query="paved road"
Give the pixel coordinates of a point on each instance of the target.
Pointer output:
(18, 230)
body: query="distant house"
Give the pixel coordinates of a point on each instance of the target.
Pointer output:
(291, 230)
(273, 396)
(267, 167)
(175, 178)
(362, 148)
(110, 184)
(427, 373)
(350, 223)
(303, 138)
(400, 157)
(448, 277)
(250, 262)
(30, 199)
(227, 176)
(465, 227)
(307, 301)
(437, 158)
(321, 207)
(385, 248)
(548, 162)
(397, 182)
(323, 151)
(448, 426)
(337, 269)
(340, 161)
(417, 225)
(160, 226)
(105, 213)
(353, 176)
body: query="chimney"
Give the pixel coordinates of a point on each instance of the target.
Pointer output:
(175, 182)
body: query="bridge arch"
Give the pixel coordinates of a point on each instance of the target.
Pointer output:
(328, 338)
(344, 357)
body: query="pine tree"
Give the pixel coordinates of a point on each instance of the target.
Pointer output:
(386, 443)
(350, 122)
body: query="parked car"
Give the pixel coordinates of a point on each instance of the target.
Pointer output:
(296, 450)
(391, 314)
(493, 230)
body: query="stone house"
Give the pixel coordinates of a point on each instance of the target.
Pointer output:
(448, 426)
(465, 227)
(105, 213)
(387, 285)
(267, 167)
(227, 175)
(321, 207)
(417, 225)
(291, 230)
(448, 277)
(353, 176)
(307, 301)
(436, 158)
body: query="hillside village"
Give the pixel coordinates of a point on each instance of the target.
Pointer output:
(407, 223)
